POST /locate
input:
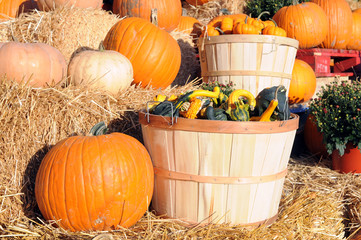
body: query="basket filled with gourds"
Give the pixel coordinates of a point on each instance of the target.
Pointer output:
(237, 105)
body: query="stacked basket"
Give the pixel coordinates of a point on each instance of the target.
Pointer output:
(226, 171)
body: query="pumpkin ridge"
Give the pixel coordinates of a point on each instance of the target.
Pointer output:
(84, 184)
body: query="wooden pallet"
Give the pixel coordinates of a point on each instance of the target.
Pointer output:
(330, 62)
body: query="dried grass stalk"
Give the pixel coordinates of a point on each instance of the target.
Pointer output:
(66, 28)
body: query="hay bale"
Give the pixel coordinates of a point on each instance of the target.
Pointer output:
(204, 13)
(313, 205)
(65, 28)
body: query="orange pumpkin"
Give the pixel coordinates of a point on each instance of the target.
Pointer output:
(355, 40)
(154, 53)
(48, 5)
(38, 64)
(197, 2)
(13, 8)
(188, 25)
(303, 82)
(95, 182)
(313, 138)
(101, 69)
(274, 30)
(339, 16)
(216, 21)
(358, 10)
(169, 12)
(305, 22)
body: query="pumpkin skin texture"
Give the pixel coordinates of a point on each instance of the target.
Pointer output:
(197, 2)
(105, 69)
(13, 8)
(38, 64)
(48, 5)
(95, 182)
(303, 82)
(355, 40)
(154, 53)
(305, 22)
(187, 25)
(169, 12)
(339, 16)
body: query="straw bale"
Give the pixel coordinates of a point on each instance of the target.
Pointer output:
(317, 203)
(204, 13)
(66, 28)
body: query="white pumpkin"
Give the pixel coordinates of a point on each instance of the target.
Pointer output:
(101, 69)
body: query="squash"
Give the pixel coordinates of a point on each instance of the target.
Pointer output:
(266, 115)
(48, 5)
(101, 69)
(95, 183)
(37, 64)
(237, 110)
(13, 8)
(169, 12)
(306, 22)
(355, 40)
(155, 55)
(340, 20)
(216, 114)
(264, 98)
(303, 83)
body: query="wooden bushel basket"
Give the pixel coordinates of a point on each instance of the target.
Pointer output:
(250, 62)
(218, 171)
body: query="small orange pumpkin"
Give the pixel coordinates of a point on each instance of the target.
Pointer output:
(274, 30)
(303, 82)
(227, 25)
(153, 52)
(245, 28)
(38, 64)
(95, 182)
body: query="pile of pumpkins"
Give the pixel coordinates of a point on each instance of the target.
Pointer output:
(105, 181)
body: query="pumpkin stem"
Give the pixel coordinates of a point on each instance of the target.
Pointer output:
(101, 46)
(265, 12)
(273, 22)
(154, 16)
(295, 2)
(219, 30)
(99, 129)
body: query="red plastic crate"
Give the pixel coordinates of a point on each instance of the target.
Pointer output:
(330, 62)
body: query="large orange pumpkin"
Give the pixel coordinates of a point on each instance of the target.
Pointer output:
(95, 182)
(13, 8)
(47, 5)
(101, 69)
(339, 16)
(303, 82)
(358, 10)
(38, 64)
(168, 11)
(306, 22)
(154, 53)
(355, 40)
